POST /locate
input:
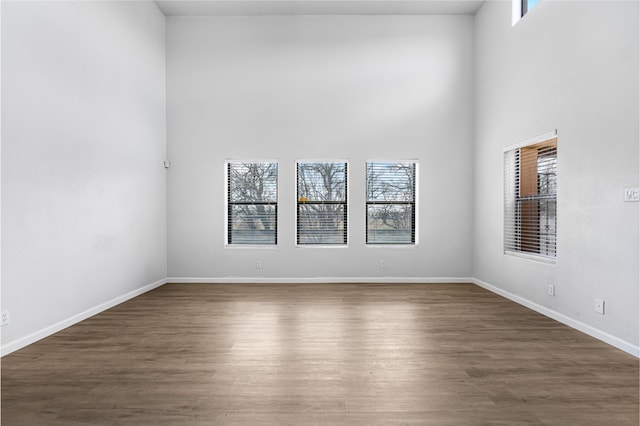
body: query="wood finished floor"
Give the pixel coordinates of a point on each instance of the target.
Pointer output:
(334, 354)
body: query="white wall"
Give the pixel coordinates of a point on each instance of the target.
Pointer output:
(83, 141)
(570, 66)
(319, 87)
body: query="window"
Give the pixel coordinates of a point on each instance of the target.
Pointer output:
(391, 203)
(530, 193)
(521, 8)
(527, 5)
(252, 203)
(322, 203)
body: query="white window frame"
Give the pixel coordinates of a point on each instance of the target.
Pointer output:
(226, 205)
(416, 209)
(553, 134)
(346, 204)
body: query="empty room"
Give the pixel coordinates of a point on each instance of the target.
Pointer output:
(320, 212)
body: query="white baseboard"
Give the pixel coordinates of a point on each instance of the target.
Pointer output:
(318, 280)
(48, 331)
(578, 325)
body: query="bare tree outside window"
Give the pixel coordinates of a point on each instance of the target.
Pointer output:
(322, 203)
(391, 188)
(252, 204)
(547, 190)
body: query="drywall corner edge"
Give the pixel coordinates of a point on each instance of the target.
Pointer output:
(61, 325)
(578, 325)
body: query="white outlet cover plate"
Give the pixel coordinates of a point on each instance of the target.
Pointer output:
(632, 194)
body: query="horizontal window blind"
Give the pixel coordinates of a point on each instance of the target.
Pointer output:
(252, 203)
(322, 203)
(530, 199)
(391, 207)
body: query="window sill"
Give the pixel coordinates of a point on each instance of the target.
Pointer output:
(250, 246)
(321, 246)
(394, 246)
(532, 257)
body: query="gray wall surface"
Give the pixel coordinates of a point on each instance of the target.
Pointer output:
(83, 141)
(570, 66)
(324, 87)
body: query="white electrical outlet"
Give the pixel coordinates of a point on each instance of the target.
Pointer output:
(551, 290)
(383, 263)
(259, 264)
(599, 306)
(631, 194)
(5, 318)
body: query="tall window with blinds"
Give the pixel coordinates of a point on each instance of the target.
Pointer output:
(530, 199)
(252, 203)
(322, 203)
(391, 203)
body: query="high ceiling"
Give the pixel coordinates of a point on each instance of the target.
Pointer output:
(317, 7)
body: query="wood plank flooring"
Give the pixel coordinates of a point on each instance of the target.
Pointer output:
(319, 354)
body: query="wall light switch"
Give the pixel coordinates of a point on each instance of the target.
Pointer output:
(632, 194)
